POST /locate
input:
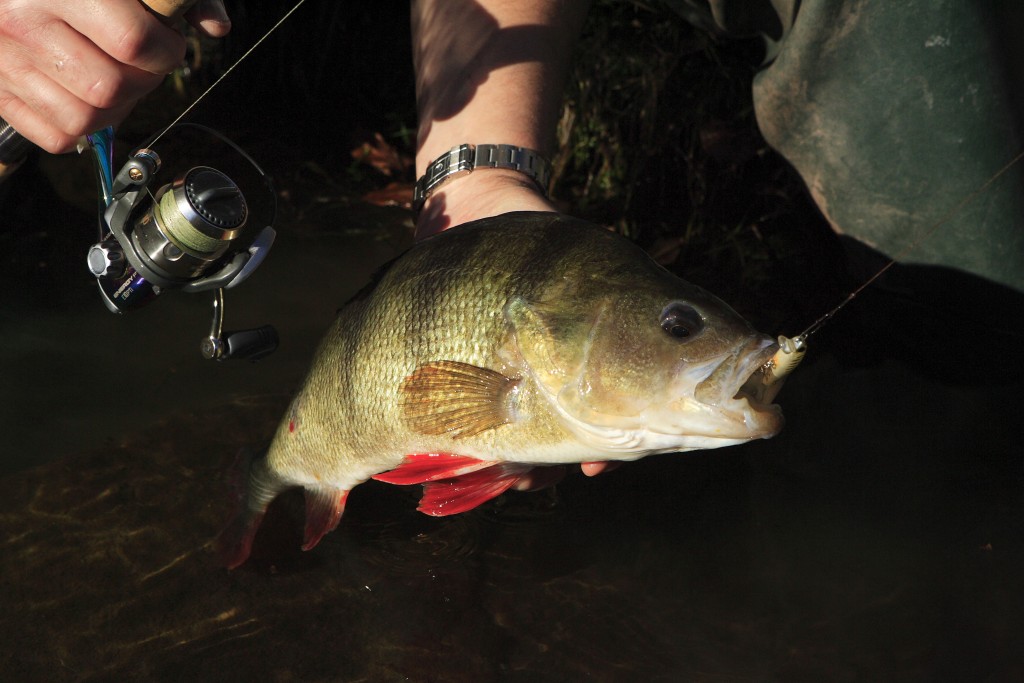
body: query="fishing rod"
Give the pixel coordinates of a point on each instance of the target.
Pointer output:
(188, 234)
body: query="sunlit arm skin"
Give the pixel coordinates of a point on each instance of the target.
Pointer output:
(489, 71)
(69, 67)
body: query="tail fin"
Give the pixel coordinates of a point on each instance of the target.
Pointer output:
(256, 486)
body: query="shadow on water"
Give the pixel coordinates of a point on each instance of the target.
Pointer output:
(879, 537)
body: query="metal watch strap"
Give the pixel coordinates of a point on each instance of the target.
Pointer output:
(464, 159)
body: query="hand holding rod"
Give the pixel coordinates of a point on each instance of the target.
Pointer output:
(14, 147)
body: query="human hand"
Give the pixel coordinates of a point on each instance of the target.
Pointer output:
(497, 80)
(68, 67)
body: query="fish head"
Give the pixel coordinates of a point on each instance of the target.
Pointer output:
(645, 363)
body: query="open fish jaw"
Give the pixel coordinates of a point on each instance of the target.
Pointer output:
(715, 411)
(762, 419)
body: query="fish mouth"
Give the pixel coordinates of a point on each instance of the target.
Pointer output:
(736, 389)
(710, 405)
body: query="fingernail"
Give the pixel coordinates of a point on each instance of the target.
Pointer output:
(215, 25)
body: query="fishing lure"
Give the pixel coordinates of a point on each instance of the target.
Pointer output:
(785, 360)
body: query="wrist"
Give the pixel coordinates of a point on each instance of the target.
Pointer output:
(478, 195)
(465, 158)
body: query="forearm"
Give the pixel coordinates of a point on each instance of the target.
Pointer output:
(490, 71)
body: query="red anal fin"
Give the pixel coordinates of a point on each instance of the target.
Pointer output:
(452, 496)
(324, 506)
(419, 468)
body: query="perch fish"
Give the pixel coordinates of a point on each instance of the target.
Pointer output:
(514, 342)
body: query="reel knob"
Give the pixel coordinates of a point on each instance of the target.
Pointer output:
(106, 259)
(241, 345)
(251, 344)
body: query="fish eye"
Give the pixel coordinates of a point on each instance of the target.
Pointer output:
(681, 320)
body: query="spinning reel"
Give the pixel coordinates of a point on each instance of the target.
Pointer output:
(188, 235)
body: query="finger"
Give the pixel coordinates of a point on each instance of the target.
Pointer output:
(540, 478)
(53, 118)
(210, 17)
(61, 117)
(130, 35)
(592, 469)
(42, 133)
(74, 62)
(37, 129)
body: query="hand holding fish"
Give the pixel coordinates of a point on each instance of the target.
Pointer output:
(461, 98)
(68, 68)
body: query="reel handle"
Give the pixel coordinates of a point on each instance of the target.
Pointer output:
(246, 344)
(14, 148)
(250, 344)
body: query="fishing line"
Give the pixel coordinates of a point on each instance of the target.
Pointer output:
(766, 381)
(945, 218)
(229, 70)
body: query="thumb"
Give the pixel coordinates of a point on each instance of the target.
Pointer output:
(210, 17)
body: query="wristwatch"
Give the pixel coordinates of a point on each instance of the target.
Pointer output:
(464, 159)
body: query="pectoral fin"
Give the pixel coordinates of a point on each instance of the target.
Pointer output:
(459, 399)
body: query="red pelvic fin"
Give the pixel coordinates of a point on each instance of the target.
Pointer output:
(419, 468)
(324, 506)
(452, 496)
(454, 483)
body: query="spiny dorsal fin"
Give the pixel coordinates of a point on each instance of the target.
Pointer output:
(459, 399)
